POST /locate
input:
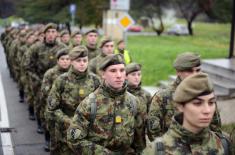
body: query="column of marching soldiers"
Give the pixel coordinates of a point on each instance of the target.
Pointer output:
(87, 98)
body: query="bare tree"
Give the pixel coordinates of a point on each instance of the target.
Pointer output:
(154, 10)
(190, 9)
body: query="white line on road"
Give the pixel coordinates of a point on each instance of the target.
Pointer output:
(7, 146)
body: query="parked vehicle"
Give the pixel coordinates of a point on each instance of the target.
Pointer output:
(178, 30)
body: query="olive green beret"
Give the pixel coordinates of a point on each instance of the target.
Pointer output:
(112, 59)
(193, 86)
(132, 67)
(91, 31)
(49, 26)
(75, 33)
(61, 52)
(104, 41)
(64, 32)
(187, 61)
(78, 52)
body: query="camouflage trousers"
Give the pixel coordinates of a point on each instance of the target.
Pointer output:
(35, 86)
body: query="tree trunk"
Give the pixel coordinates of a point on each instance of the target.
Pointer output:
(159, 30)
(190, 29)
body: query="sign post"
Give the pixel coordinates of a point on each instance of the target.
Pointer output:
(116, 20)
(125, 22)
(72, 10)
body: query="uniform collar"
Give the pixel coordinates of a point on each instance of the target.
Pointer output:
(109, 91)
(61, 69)
(183, 135)
(76, 74)
(91, 48)
(132, 89)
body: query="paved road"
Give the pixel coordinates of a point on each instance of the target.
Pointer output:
(25, 140)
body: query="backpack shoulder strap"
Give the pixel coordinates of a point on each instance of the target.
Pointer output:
(92, 101)
(63, 81)
(225, 142)
(133, 104)
(93, 107)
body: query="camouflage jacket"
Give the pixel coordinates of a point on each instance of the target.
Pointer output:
(21, 59)
(92, 52)
(67, 92)
(145, 98)
(48, 79)
(95, 63)
(177, 141)
(24, 56)
(41, 57)
(162, 109)
(113, 130)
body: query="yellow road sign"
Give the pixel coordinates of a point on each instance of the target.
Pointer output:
(125, 21)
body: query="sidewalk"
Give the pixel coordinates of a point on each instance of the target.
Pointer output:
(227, 111)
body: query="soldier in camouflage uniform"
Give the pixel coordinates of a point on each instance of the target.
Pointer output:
(65, 37)
(91, 37)
(189, 132)
(15, 53)
(24, 78)
(41, 57)
(133, 76)
(104, 123)
(66, 94)
(106, 48)
(9, 39)
(76, 38)
(63, 63)
(12, 49)
(162, 106)
(5, 38)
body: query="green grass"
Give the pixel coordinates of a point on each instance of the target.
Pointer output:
(157, 54)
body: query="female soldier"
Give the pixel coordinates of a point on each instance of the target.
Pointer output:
(67, 92)
(189, 132)
(63, 64)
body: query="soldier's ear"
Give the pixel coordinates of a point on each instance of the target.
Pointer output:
(102, 74)
(180, 107)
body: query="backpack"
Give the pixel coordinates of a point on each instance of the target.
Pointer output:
(92, 100)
